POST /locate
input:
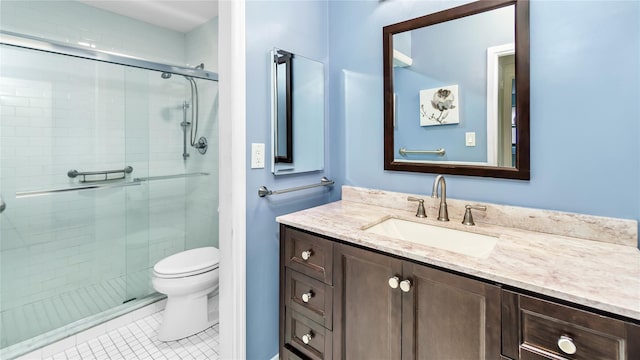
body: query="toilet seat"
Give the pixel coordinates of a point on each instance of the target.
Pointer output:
(188, 263)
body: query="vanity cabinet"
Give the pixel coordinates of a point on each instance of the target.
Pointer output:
(365, 305)
(389, 308)
(339, 301)
(537, 329)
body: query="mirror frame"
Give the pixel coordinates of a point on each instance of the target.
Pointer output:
(522, 168)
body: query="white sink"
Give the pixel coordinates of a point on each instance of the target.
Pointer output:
(462, 242)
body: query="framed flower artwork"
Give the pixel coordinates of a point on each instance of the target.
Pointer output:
(439, 106)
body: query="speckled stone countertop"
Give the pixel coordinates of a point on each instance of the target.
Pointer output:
(599, 269)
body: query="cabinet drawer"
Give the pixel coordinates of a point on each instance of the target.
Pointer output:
(299, 329)
(308, 254)
(289, 355)
(543, 324)
(309, 297)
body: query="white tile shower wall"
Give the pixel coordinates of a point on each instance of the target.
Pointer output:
(202, 193)
(74, 22)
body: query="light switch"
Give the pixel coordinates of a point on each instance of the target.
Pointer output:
(470, 139)
(257, 156)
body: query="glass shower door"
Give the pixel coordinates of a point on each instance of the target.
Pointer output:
(67, 254)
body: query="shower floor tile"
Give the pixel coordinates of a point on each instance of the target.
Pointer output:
(138, 340)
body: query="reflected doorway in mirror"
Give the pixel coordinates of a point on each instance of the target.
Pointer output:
(439, 106)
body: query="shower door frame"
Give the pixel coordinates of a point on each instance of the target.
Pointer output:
(36, 43)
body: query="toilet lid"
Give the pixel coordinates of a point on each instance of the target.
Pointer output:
(189, 262)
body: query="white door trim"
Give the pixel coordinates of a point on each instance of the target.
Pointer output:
(232, 170)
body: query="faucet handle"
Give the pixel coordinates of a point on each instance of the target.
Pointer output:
(468, 218)
(421, 213)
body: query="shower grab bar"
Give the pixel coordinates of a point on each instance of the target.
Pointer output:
(263, 191)
(103, 185)
(439, 151)
(74, 173)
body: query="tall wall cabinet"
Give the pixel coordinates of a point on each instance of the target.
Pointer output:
(338, 301)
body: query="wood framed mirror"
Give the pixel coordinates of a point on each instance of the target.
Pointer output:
(456, 91)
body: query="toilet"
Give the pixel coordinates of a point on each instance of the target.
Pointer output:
(187, 278)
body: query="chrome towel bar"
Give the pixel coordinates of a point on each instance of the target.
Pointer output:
(24, 194)
(263, 191)
(439, 152)
(74, 173)
(105, 185)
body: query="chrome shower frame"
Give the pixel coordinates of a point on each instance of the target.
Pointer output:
(36, 43)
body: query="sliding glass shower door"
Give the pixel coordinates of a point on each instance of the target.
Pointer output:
(74, 235)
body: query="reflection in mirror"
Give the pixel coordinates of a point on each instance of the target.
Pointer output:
(283, 149)
(451, 104)
(297, 113)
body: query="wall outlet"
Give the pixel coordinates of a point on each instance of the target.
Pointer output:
(470, 139)
(257, 156)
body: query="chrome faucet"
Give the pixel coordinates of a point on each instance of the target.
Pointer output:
(443, 213)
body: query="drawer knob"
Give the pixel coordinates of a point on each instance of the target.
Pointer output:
(565, 343)
(307, 296)
(306, 254)
(306, 338)
(394, 282)
(405, 285)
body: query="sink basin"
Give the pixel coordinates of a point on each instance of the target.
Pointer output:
(462, 242)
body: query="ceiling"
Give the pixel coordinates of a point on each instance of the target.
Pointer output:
(178, 15)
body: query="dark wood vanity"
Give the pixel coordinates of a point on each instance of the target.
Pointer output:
(340, 301)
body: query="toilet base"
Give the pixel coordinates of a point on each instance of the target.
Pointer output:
(184, 316)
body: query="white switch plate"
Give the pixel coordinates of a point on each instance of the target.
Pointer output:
(470, 139)
(257, 156)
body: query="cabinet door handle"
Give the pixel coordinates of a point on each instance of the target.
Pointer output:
(307, 296)
(394, 282)
(565, 343)
(306, 338)
(405, 285)
(306, 254)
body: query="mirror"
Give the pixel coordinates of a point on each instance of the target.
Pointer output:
(297, 124)
(456, 91)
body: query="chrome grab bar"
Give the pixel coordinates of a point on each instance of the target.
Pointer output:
(105, 185)
(439, 152)
(263, 191)
(74, 173)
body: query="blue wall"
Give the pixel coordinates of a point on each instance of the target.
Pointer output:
(584, 105)
(585, 116)
(299, 27)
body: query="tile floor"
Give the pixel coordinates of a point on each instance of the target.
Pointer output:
(138, 341)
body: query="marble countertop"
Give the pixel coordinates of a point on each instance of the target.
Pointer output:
(597, 274)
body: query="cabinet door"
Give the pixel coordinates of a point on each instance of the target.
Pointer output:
(446, 316)
(367, 311)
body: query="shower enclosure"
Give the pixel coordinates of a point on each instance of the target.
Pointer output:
(100, 181)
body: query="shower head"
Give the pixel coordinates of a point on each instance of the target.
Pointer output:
(165, 75)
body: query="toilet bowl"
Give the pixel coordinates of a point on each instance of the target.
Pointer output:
(187, 278)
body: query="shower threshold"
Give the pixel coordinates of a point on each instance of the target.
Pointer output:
(60, 333)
